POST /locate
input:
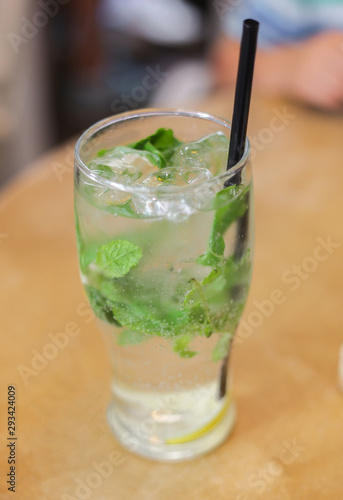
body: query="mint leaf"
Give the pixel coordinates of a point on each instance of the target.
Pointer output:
(141, 308)
(196, 302)
(216, 279)
(237, 272)
(124, 210)
(101, 307)
(181, 346)
(116, 258)
(161, 144)
(214, 304)
(235, 206)
(103, 170)
(144, 317)
(112, 289)
(87, 255)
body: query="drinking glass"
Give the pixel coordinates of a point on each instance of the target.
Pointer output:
(166, 269)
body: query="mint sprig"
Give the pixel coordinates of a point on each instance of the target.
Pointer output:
(121, 295)
(212, 302)
(230, 204)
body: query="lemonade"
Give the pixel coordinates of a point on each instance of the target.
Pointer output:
(157, 239)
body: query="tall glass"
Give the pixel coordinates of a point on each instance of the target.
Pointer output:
(166, 270)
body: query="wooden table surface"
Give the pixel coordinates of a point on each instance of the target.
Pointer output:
(288, 440)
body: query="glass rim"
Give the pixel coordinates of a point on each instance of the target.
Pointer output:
(99, 126)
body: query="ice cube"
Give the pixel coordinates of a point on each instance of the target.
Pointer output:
(103, 197)
(177, 176)
(176, 209)
(210, 151)
(124, 165)
(181, 204)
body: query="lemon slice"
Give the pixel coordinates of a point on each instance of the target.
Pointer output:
(204, 429)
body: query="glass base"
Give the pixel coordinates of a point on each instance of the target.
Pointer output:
(198, 442)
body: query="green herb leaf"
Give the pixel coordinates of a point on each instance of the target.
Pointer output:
(87, 255)
(100, 305)
(103, 170)
(162, 144)
(196, 302)
(124, 210)
(116, 258)
(197, 308)
(142, 316)
(235, 206)
(181, 346)
(215, 304)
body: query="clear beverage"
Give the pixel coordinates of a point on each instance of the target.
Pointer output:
(165, 258)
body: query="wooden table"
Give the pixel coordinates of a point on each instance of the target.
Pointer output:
(288, 440)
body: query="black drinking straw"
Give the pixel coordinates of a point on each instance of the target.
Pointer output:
(242, 96)
(237, 143)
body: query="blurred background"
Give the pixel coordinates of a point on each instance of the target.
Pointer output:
(65, 64)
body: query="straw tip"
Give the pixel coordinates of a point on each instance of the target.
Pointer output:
(251, 23)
